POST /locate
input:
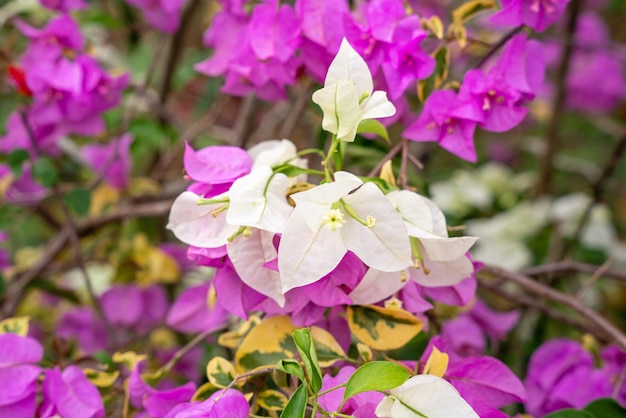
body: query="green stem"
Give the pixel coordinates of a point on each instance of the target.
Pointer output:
(329, 156)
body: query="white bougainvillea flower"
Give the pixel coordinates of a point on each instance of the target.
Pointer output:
(333, 218)
(347, 97)
(258, 200)
(200, 225)
(424, 395)
(275, 152)
(444, 261)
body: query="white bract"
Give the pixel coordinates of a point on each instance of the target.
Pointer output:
(425, 395)
(347, 97)
(333, 218)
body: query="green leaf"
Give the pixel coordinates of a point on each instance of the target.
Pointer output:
(16, 159)
(571, 413)
(437, 78)
(290, 366)
(376, 375)
(78, 201)
(296, 407)
(304, 343)
(372, 126)
(605, 408)
(44, 172)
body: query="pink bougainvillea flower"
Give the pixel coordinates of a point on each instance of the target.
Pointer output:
(70, 394)
(195, 310)
(537, 14)
(447, 121)
(155, 403)
(555, 372)
(23, 190)
(83, 325)
(217, 164)
(64, 6)
(162, 14)
(18, 375)
(58, 37)
(112, 161)
(274, 31)
(224, 403)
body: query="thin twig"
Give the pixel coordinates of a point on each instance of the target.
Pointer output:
(600, 325)
(184, 350)
(294, 114)
(558, 103)
(569, 265)
(534, 303)
(498, 45)
(392, 153)
(598, 190)
(594, 278)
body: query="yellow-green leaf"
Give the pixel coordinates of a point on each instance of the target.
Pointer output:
(386, 173)
(220, 372)
(435, 25)
(459, 32)
(290, 366)
(382, 328)
(437, 363)
(326, 346)
(232, 339)
(129, 358)
(17, 325)
(272, 400)
(204, 392)
(265, 344)
(471, 8)
(101, 378)
(365, 352)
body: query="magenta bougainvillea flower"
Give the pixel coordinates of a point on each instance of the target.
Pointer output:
(64, 5)
(449, 122)
(196, 311)
(555, 372)
(162, 14)
(18, 375)
(111, 161)
(153, 402)
(223, 403)
(83, 325)
(60, 36)
(537, 14)
(23, 190)
(70, 394)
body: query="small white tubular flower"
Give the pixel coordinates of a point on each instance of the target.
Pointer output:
(313, 244)
(199, 225)
(347, 97)
(258, 200)
(425, 221)
(425, 395)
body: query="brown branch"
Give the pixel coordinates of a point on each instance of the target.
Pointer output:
(552, 133)
(598, 191)
(497, 288)
(569, 266)
(598, 323)
(392, 153)
(175, 51)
